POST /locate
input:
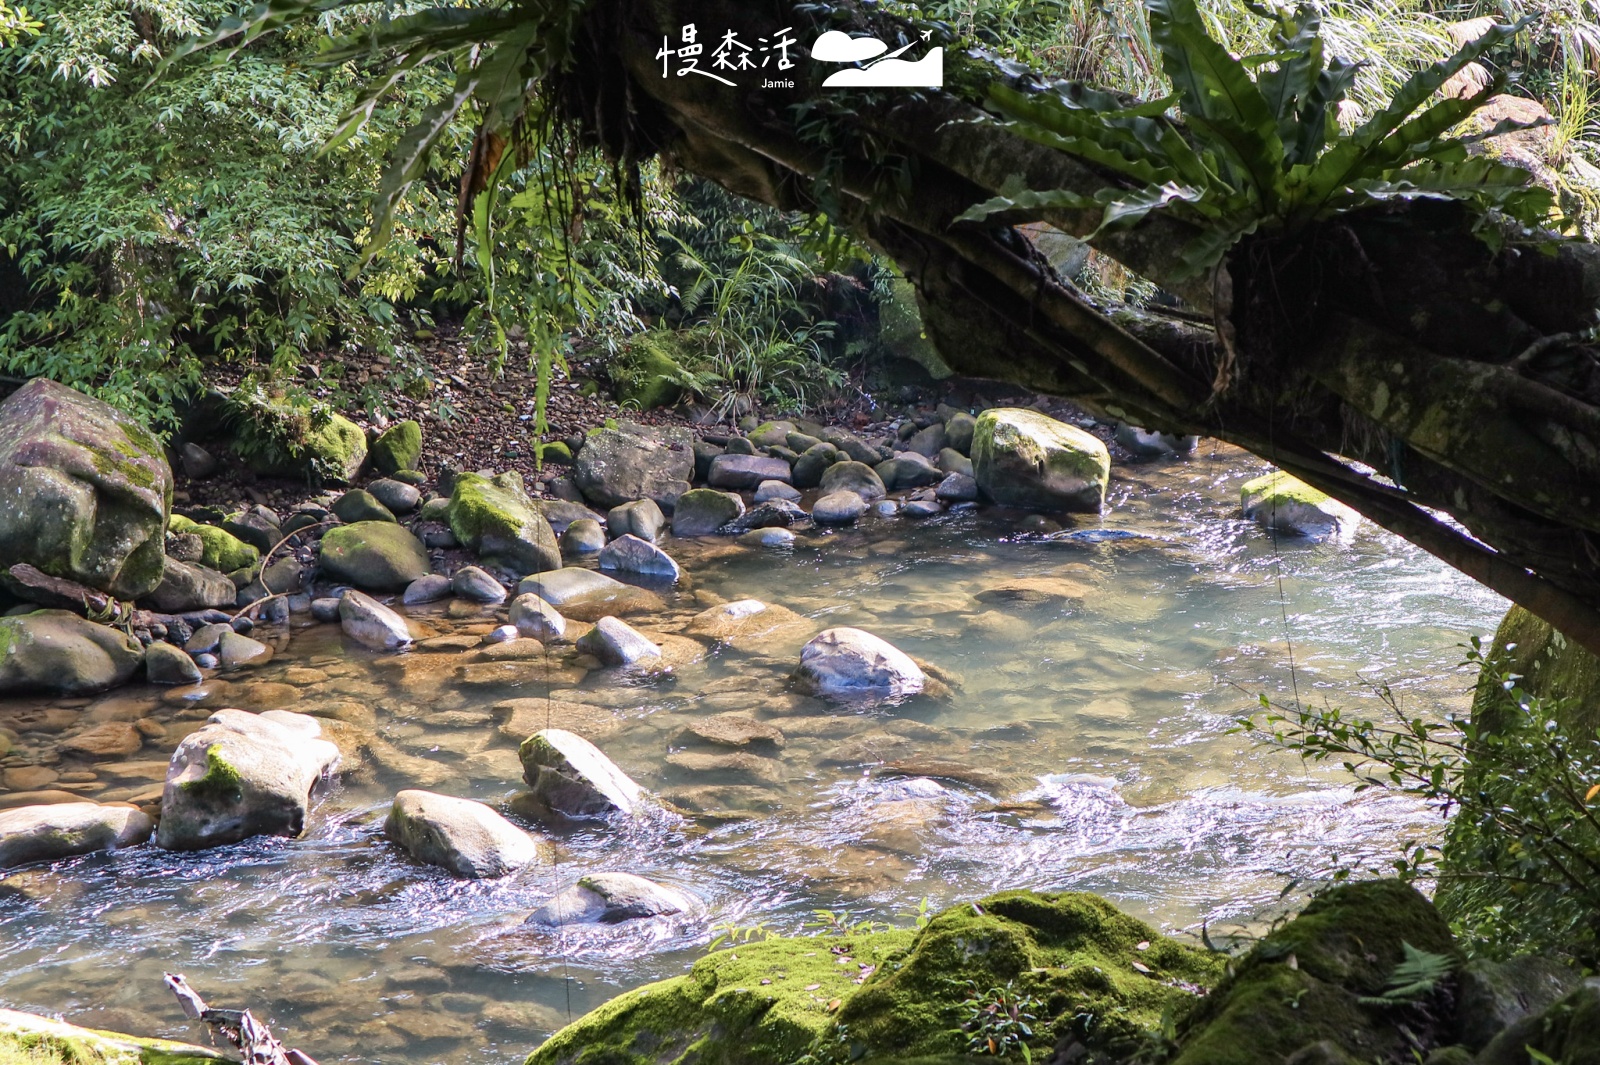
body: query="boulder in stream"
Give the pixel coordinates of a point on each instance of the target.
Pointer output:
(572, 777)
(495, 517)
(1022, 458)
(642, 518)
(372, 624)
(616, 643)
(845, 663)
(608, 898)
(630, 554)
(1278, 502)
(241, 775)
(535, 618)
(703, 511)
(378, 556)
(87, 490)
(33, 1040)
(45, 833)
(462, 835)
(58, 651)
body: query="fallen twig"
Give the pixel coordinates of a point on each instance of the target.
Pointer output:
(253, 1039)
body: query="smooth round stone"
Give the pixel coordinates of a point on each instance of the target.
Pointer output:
(776, 490)
(429, 589)
(773, 537)
(888, 508)
(838, 508)
(583, 537)
(325, 609)
(921, 508)
(398, 497)
(235, 651)
(206, 661)
(502, 634)
(473, 583)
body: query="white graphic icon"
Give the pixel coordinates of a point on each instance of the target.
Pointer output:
(888, 72)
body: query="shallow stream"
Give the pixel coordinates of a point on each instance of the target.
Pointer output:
(1086, 745)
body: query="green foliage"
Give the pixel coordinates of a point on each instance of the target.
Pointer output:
(1263, 149)
(1416, 977)
(999, 1020)
(1520, 868)
(15, 24)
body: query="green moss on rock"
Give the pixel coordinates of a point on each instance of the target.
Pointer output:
(398, 447)
(1277, 489)
(1551, 666)
(378, 556)
(1022, 458)
(26, 1039)
(494, 517)
(1304, 983)
(222, 551)
(648, 371)
(900, 330)
(221, 781)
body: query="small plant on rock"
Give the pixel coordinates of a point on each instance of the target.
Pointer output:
(999, 1020)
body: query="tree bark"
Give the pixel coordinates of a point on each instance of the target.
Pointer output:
(1390, 339)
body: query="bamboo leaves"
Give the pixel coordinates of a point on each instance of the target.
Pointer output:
(1263, 150)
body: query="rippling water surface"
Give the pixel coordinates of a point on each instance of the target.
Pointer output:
(1086, 744)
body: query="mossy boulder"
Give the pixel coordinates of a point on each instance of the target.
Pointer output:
(26, 1039)
(222, 551)
(1304, 984)
(1285, 504)
(648, 370)
(901, 334)
(1551, 666)
(87, 490)
(279, 436)
(1022, 458)
(58, 651)
(619, 464)
(495, 517)
(377, 556)
(397, 448)
(898, 996)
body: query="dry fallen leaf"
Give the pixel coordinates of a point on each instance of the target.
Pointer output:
(835, 1004)
(1142, 968)
(1145, 945)
(812, 987)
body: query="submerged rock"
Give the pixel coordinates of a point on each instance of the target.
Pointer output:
(846, 663)
(87, 491)
(166, 664)
(462, 835)
(372, 624)
(611, 897)
(1280, 502)
(571, 776)
(749, 622)
(243, 775)
(58, 651)
(496, 518)
(533, 617)
(1022, 458)
(45, 833)
(378, 556)
(586, 595)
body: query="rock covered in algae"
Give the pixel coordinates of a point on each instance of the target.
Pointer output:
(36, 1040)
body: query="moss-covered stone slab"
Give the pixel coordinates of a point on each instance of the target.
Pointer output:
(1022, 458)
(377, 556)
(495, 517)
(1551, 666)
(1279, 502)
(222, 551)
(43, 1041)
(87, 490)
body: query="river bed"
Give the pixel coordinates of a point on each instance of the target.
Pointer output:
(1087, 744)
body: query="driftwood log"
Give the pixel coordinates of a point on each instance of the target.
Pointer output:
(254, 1040)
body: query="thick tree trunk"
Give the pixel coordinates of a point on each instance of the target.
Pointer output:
(1396, 339)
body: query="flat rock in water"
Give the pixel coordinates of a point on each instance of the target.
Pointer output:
(476, 585)
(630, 554)
(537, 619)
(1035, 590)
(58, 651)
(838, 508)
(746, 471)
(585, 595)
(642, 517)
(703, 511)
(754, 769)
(429, 589)
(855, 477)
(749, 621)
(922, 508)
(616, 643)
(732, 730)
(773, 537)
(59, 830)
(243, 775)
(571, 776)
(166, 664)
(372, 624)
(111, 739)
(236, 651)
(462, 835)
(776, 490)
(846, 663)
(611, 897)
(556, 587)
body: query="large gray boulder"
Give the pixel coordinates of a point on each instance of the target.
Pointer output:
(45, 833)
(87, 491)
(1022, 458)
(495, 517)
(631, 462)
(570, 776)
(1281, 503)
(607, 898)
(378, 556)
(848, 664)
(186, 586)
(243, 775)
(462, 835)
(746, 471)
(630, 554)
(855, 477)
(703, 511)
(58, 651)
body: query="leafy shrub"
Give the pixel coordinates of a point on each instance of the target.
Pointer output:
(1519, 869)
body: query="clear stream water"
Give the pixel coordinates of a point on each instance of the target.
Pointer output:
(1087, 746)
